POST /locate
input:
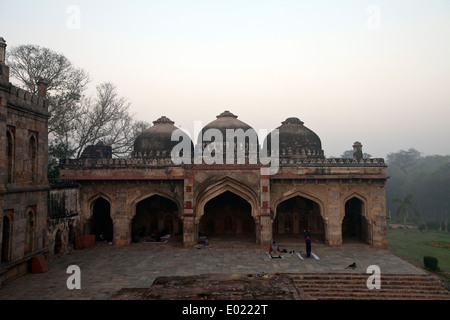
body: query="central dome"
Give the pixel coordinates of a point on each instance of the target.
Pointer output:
(227, 120)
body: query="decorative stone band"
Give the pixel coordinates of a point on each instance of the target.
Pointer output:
(119, 163)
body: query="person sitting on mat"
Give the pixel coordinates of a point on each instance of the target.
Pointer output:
(274, 250)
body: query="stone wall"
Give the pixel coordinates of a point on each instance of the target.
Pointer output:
(23, 175)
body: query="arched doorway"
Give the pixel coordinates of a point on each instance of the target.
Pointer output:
(155, 216)
(101, 224)
(227, 216)
(29, 233)
(296, 214)
(354, 224)
(58, 242)
(6, 239)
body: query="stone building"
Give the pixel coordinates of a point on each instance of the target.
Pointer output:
(23, 174)
(339, 200)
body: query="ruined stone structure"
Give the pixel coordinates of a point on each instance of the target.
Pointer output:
(124, 200)
(23, 174)
(337, 199)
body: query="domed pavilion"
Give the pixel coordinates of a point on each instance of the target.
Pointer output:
(339, 200)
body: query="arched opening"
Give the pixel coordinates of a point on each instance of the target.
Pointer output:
(6, 239)
(354, 224)
(101, 224)
(29, 233)
(227, 216)
(10, 156)
(58, 242)
(295, 215)
(155, 217)
(32, 157)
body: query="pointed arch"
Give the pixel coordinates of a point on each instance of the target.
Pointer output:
(10, 154)
(100, 222)
(92, 200)
(357, 195)
(221, 186)
(152, 193)
(355, 223)
(32, 156)
(30, 231)
(297, 193)
(153, 215)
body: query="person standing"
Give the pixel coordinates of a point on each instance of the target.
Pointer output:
(307, 234)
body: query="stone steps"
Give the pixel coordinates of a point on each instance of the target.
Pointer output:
(348, 286)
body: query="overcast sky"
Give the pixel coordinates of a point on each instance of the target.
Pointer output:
(377, 72)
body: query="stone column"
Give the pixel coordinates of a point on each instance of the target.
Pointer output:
(189, 231)
(333, 225)
(264, 238)
(122, 235)
(265, 231)
(189, 226)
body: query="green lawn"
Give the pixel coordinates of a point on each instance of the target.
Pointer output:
(413, 246)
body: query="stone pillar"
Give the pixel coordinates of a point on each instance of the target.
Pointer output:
(333, 225)
(42, 88)
(189, 227)
(357, 151)
(122, 234)
(264, 238)
(189, 231)
(265, 231)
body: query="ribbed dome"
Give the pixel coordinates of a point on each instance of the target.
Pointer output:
(156, 141)
(296, 140)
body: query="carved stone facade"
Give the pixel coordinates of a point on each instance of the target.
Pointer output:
(23, 174)
(337, 199)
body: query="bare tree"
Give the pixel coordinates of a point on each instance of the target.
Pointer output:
(106, 118)
(76, 121)
(66, 84)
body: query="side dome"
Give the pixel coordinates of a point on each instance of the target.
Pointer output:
(296, 140)
(246, 140)
(156, 141)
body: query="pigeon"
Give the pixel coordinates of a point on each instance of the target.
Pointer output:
(353, 266)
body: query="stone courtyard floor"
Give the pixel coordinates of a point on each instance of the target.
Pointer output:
(107, 269)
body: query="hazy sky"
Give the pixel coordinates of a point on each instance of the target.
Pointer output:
(377, 72)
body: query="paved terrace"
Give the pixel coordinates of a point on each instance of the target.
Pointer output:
(106, 269)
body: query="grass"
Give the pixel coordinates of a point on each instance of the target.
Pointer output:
(413, 246)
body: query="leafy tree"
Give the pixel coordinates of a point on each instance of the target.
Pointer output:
(405, 161)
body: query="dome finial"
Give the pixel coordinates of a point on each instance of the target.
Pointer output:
(163, 120)
(226, 114)
(292, 120)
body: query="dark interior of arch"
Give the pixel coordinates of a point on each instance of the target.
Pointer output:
(101, 224)
(156, 216)
(354, 224)
(227, 214)
(297, 214)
